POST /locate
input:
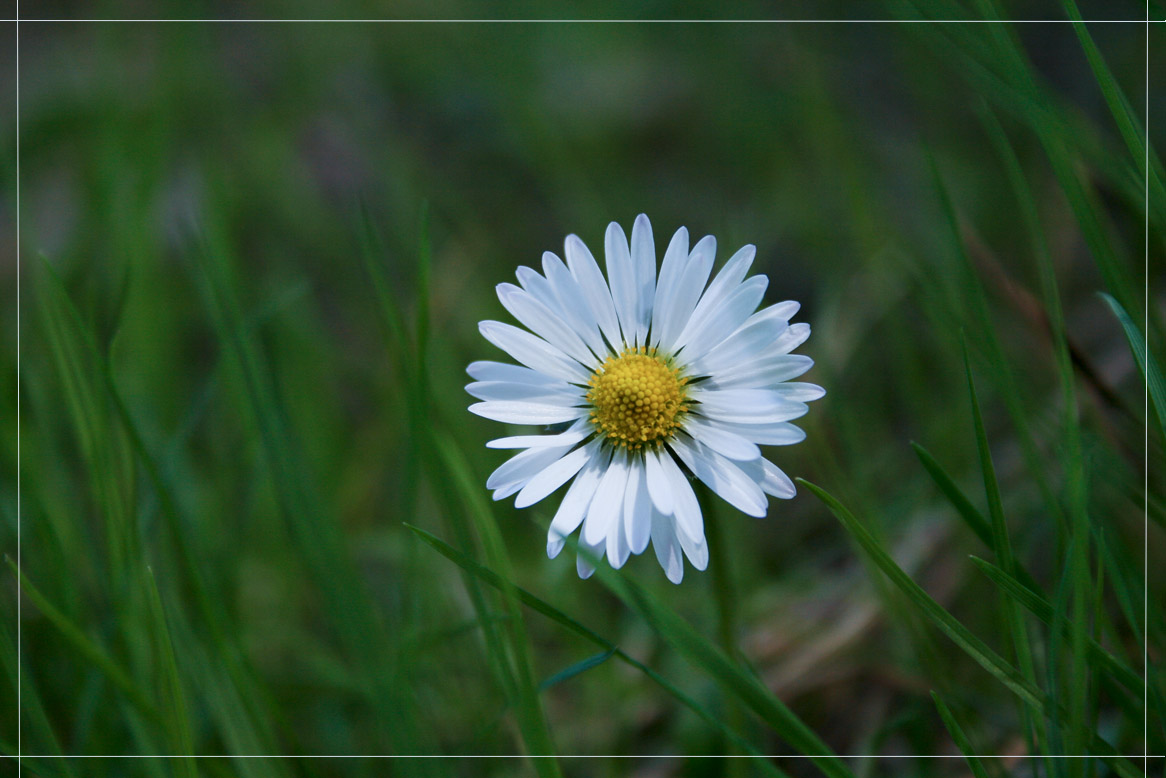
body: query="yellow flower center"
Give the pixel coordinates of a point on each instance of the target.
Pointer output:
(637, 398)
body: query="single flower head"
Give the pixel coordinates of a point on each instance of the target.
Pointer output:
(647, 379)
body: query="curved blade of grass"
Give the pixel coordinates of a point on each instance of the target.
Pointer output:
(86, 647)
(253, 727)
(975, 648)
(315, 532)
(1119, 105)
(1043, 610)
(554, 614)
(679, 634)
(996, 62)
(176, 718)
(532, 718)
(1076, 480)
(1002, 547)
(1147, 365)
(997, 362)
(961, 739)
(101, 447)
(963, 506)
(948, 624)
(577, 668)
(38, 725)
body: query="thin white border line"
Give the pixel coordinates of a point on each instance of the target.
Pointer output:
(960, 757)
(580, 21)
(19, 620)
(1145, 399)
(1146, 431)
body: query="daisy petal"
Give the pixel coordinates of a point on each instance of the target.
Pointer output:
(685, 507)
(644, 265)
(676, 309)
(569, 297)
(583, 564)
(621, 278)
(536, 285)
(561, 394)
(540, 320)
(697, 553)
(759, 331)
(721, 475)
(534, 352)
(595, 290)
(575, 502)
(721, 439)
(790, 339)
(723, 320)
(637, 508)
(762, 373)
(500, 371)
(521, 467)
(577, 434)
(608, 500)
(659, 487)
(725, 284)
(746, 406)
(618, 549)
(667, 548)
(671, 269)
(771, 479)
(800, 392)
(778, 433)
(519, 412)
(555, 475)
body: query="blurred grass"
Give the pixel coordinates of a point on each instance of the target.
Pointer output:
(266, 249)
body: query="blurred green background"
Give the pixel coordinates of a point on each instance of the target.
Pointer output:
(224, 223)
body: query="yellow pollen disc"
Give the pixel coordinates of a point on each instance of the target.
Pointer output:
(636, 398)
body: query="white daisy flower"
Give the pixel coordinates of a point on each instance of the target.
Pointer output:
(647, 380)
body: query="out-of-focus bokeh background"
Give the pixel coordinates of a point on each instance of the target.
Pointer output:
(253, 261)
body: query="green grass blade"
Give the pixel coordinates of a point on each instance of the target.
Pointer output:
(315, 532)
(577, 668)
(39, 737)
(1076, 479)
(948, 624)
(1000, 541)
(1002, 376)
(93, 653)
(975, 648)
(111, 483)
(424, 271)
(961, 739)
(1043, 610)
(527, 703)
(408, 368)
(1002, 546)
(1119, 105)
(176, 718)
(963, 506)
(1147, 364)
(559, 617)
(209, 601)
(679, 634)
(726, 602)
(393, 321)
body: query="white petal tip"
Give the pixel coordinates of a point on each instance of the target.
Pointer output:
(554, 546)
